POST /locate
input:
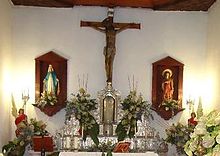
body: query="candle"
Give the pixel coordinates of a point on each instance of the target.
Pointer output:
(68, 141)
(82, 131)
(75, 143)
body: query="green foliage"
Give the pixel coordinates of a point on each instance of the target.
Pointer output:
(39, 126)
(17, 146)
(105, 147)
(133, 107)
(46, 100)
(206, 136)
(81, 106)
(170, 105)
(178, 135)
(14, 148)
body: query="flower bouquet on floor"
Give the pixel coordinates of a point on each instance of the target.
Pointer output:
(205, 140)
(24, 138)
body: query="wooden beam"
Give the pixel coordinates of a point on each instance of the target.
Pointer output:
(90, 23)
(116, 25)
(130, 25)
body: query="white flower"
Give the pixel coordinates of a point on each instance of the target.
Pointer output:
(200, 129)
(217, 153)
(208, 141)
(28, 138)
(193, 135)
(129, 116)
(49, 97)
(131, 108)
(216, 150)
(218, 138)
(217, 120)
(203, 119)
(92, 121)
(138, 109)
(193, 144)
(208, 130)
(32, 127)
(22, 143)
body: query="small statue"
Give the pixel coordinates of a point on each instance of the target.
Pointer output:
(51, 82)
(191, 121)
(20, 121)
(20, 117)
(167, 85)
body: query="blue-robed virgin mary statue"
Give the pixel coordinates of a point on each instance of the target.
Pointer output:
(51, 82)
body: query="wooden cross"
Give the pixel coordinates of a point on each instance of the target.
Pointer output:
(110, 28)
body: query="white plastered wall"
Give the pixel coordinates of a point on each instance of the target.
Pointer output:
(5, 56)
(181, 35)
(213, 52)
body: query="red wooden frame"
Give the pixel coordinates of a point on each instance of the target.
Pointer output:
(60, 67)
(157, 78)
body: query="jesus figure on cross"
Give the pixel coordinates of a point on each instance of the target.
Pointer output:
(110, 28)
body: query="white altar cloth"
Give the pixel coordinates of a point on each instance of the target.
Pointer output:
(100, 153)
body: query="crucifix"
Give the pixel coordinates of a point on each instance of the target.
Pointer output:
(110, 29)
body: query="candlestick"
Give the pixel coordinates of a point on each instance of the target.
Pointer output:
(81, 140)
(135, 132)
(82, 132)
(75, 143)
(68, 142)
(25, 98)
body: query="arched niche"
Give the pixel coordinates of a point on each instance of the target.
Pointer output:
(157, 92)
(59, 64)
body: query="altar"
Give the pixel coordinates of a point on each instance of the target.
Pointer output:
(109, 125)
(100, 153)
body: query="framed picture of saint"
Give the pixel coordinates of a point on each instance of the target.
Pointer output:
(50, 83)
(167, 86)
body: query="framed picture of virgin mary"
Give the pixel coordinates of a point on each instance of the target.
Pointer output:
(167, 86)
(50, 83)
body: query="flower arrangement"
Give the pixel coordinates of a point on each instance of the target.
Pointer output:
(27, 131)
(81, 105)
(178, 135)
(105, 147)
(205, 140)
(46, 100)
(133, 107)
(170, 105)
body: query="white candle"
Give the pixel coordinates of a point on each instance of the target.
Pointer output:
(75, 143)
(135, 132)
(68, 141)
(82, 132)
